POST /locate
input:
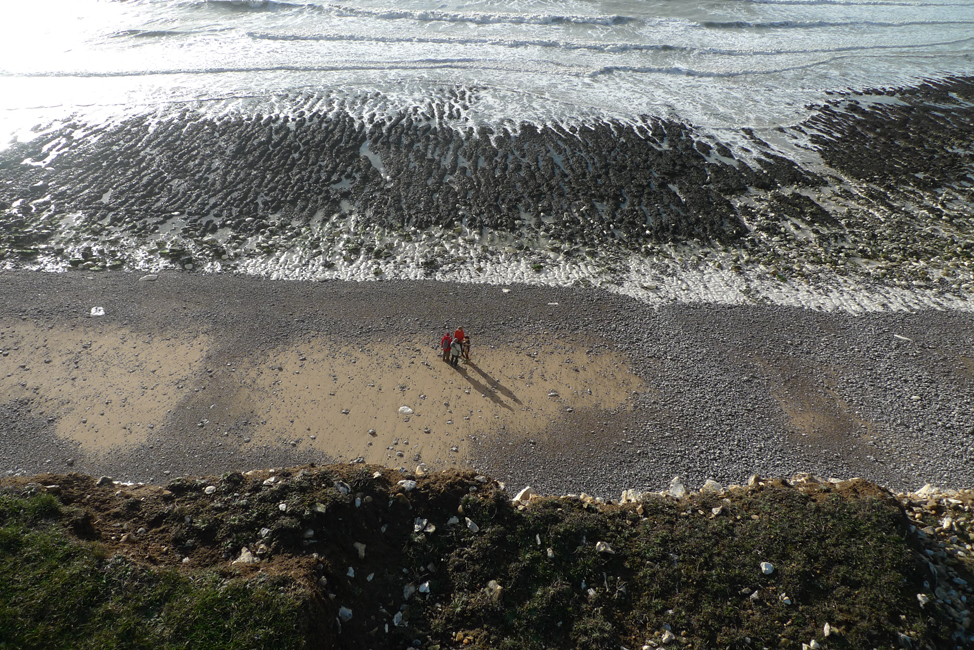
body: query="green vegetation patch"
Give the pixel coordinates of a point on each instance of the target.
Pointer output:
(539, 578)
(354, 556)
(61, 593)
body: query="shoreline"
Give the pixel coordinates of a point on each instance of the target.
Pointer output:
(863, 206)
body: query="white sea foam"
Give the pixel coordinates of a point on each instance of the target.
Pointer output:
(671, 274)
(722, 65)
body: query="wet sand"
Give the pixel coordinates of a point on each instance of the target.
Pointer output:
(108, 388)
(247, 382)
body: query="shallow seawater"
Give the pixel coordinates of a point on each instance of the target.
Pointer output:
(719, 64)
(669, 151)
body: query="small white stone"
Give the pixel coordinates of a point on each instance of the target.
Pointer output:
(767, 568)
(408, 485)
(474, 528)
(405, 410)
(603, 547)
(282, 507)
(524, 495)
(494, 590)
(97, 311)
(345, 614)
(677, 491)
(360, 547)
(711, 486)
(246, 557)
(210, 489)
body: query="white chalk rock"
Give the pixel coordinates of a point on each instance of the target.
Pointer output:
(603, 547)
(525, 495)
(677, 491)
(711, 486)
(246, 557)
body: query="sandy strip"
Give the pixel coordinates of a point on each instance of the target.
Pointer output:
(108, 389)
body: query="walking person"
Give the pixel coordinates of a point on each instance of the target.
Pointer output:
(445, 344)
(466, 348)
(456, 349)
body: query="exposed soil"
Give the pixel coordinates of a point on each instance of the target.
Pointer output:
(383, 559)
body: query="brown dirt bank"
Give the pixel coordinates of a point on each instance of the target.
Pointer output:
(383, 559)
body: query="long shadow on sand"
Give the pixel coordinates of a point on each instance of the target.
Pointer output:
(484, 389)
(503, 390)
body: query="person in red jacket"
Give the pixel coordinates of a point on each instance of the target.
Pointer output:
(459, 335)
(445, 344)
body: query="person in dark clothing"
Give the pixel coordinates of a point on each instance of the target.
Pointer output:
(456, 348)
(445, 344)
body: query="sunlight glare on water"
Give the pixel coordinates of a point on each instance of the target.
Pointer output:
(716, 63)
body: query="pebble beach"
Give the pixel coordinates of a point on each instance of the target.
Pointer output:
(569, 390)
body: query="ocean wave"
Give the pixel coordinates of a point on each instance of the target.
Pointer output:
(820, 24)
(150, 33)
(253, 5)
(605, 47)
(460, 41)
(464, 63)
(853, 3)
(478, 18)
(689, 72)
